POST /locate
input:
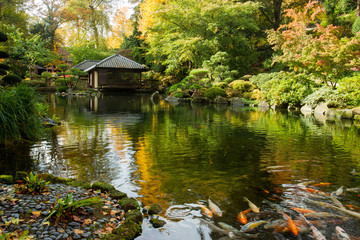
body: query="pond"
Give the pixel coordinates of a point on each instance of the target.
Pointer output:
(180, 155)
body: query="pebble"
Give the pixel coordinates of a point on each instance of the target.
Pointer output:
(27, 203)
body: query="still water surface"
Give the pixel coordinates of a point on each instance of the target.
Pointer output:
(178, 155)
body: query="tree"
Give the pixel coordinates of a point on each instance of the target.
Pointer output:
(89, 18)
(13, 12)
(50, 22)
(218, 68)
(31, 50)
(121, 28)
(182, 34)
(71, 77)
(320, 52)
(87, 52)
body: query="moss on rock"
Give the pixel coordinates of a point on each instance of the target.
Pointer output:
(47, 177)
(134, 215)
(156, 222)
(128, 230)
(103, 187)
(8, 179)
(80, 183)
(154, 209)
(116, 194)
(200, 100)
(129, 204)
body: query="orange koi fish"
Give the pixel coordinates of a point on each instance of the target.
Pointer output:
(322, 184)
(291, 225)
(207, 212)
(302, 210)
(241, 217)
(321, 193)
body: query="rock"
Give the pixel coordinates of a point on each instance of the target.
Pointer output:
(221, 100)
(129, 204)
(157, 222)
(264, 104)
(321, 108)
(74, 224)
(103, 187)
(80, 183)
(344, 113)
(331, 112)
(356, 111)
(306, 110)
(200, 100)
(154, 209)
(236, 101)
(134, 215)
(185, 100)
(116, 194)
(47, 177)
(127, 231)
(7, 179)
(171, 99)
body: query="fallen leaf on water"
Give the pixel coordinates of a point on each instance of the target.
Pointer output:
(78, 231)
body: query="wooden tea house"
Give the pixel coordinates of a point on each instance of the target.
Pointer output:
(114, 72)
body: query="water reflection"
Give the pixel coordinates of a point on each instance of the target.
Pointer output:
(177, 155)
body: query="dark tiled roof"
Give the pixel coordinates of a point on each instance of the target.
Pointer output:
(117, 61)
(86, 64)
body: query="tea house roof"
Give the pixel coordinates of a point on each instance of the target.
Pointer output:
(117, 61)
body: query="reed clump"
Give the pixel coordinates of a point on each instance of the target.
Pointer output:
(20, 114)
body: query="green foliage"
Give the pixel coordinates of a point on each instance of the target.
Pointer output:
(213, 92)
(222, 85)
(218, 68)
(72, 81)
(11, 79)
(34, 184)
(87, 52)
(349, 87)
(324, 94)
(61, 88)
(179, 95)
(62, 208)
(4, 66)
(356, 26)
(183, 34)
(20, 117)
(34, 83)
(284, 87)
(242, 86)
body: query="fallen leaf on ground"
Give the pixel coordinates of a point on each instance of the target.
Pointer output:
(105, 213)
(87, 221)
(114, 212)
(78, 231)
(36, 213)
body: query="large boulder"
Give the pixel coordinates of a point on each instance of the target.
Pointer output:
(306, 110)
(103, 187)
(221, 100)
(264, 104)
(356, 111)
(171, 99)
(154, 209)
(344, 113)
(236, 101)
(321, 108)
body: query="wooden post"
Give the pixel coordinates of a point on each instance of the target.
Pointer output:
(96, 79)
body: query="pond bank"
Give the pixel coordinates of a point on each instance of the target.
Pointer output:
(116, 217)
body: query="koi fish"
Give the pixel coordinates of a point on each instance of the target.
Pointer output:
(302, 210)
(322, 184)
(275, 223)
(291, 225)
(315, 232)
(252, 225)
(252, 206)
(356, 190)
(241, 217)
(228, 227)
(336, 202)
(205, 210)
(214, 208)
(341, 234)
(340, 191)
(320, 193)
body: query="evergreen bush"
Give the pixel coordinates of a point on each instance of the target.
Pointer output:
(213, 92)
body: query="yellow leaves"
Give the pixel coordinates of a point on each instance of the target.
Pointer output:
(78, 231)
(36, 214)
(114, 212)
(46, 223)
(87, 221)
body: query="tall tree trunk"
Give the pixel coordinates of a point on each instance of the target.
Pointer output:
(277, 13)
(358, 9)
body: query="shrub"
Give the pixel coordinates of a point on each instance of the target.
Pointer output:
(179, 95)
(61, 88)
(222, 85)
(213, 92)
(286, 88)
(242, 86)
(349, 88)
(324, 94)
(35, 83)
(34, 184)
(11, 79)
(260, 79)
